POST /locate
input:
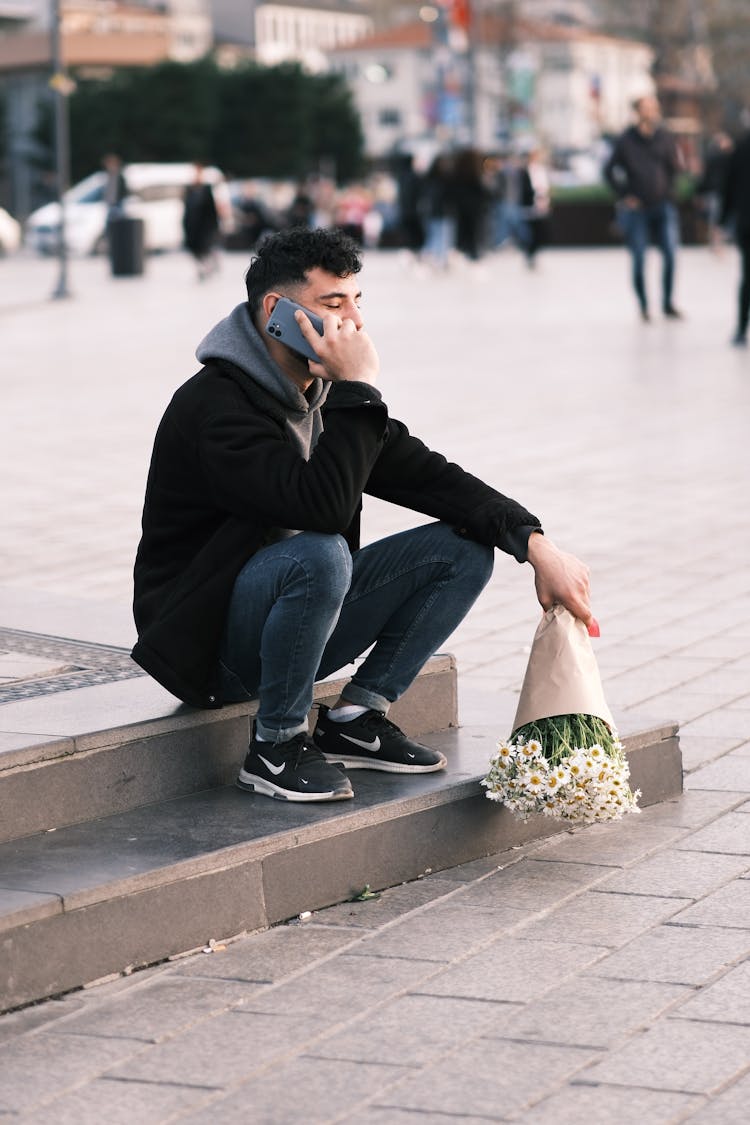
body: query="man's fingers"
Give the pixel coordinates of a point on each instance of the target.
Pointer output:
(306, 328)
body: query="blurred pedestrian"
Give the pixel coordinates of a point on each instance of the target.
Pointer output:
(642, 170)
(352, 207)
(473, 199)
(302, 208)
(115, 187)
(710, 188)
(253, 219)
(437, 207)
(200, 222)
(735, 209)
(509, 224)
(535, 204)
(409, 187)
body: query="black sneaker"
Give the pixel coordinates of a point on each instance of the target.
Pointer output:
(373, 742)
(292, 771)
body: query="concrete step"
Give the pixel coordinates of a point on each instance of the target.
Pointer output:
(75, 755)
(141, 885)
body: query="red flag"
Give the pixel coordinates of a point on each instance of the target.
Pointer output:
(460, 14)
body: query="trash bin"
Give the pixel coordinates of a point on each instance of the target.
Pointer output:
(125, 236)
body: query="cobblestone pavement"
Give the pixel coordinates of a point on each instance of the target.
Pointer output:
(599, 976)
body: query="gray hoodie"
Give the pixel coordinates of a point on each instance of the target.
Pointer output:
(236, 339)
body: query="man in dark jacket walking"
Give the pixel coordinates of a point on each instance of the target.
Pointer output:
(735, 209)
(641, 171)
(249, 578)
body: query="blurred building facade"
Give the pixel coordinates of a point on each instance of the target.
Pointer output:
(501, 83)
(494, 73)
(302, 31)
(97, 37)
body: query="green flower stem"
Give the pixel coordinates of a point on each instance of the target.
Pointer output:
(561, 735)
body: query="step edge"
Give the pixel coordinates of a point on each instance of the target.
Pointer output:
(238, 854)
(62, 746)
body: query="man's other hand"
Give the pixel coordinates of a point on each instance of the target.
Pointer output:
(560, 578)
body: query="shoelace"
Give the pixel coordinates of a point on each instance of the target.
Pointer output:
(377, 720)
(308, 752)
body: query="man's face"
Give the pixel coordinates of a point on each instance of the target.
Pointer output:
(325, 293)
(322, 293)
(648, 111)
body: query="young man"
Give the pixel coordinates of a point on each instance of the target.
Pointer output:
(249, 579)
(641, 171)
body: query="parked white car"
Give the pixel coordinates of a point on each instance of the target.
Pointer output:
(10, 233)
(155, 194)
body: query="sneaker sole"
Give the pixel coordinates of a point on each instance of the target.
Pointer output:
(251, 783)
(383, 766)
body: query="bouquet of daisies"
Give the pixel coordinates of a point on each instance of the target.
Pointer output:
(564, 758)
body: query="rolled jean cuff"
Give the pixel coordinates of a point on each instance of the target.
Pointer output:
(283, 735)
(353, 693)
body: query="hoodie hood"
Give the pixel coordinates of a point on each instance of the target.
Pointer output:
(236, 339)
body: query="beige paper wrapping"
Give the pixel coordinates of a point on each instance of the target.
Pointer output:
(562, 676)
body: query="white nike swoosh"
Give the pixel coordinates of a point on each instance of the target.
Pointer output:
(274, 769)
(374, 746)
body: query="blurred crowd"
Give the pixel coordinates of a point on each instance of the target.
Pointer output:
(462, 203)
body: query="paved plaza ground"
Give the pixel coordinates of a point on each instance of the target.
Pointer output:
(597, 977)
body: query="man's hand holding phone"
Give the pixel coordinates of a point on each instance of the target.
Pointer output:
(346, 352)
(335, 348)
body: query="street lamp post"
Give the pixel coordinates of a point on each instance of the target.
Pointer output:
(61, 87)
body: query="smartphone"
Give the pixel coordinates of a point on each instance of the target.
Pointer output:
(282, 326)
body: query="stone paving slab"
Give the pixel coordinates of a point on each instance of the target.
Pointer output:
(678, 874)
(606, 1105)
(699, 750)
(588, 1012)
(412, 1030)
(338, 1085)
(486, 1078)
(603, 918)
(727, 835)
(732, 773)
(728, 1108)
(514, 969)
(729, 906)
(40, 1067)
(120, 1103)
(160, 1009)
(677, 955)
(725, 1001)
(677, 1055)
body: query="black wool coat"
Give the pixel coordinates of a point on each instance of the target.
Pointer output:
(224, 475)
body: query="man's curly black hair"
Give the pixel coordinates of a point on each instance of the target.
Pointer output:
(284, 260)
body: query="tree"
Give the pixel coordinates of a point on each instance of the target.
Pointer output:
(166, 112)
(278, 121)
(728, 33)
(703, 40)
(281, 122)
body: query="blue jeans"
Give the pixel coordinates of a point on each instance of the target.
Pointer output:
(509, 223)
(657, 224)
(305, 607)
(440, 238)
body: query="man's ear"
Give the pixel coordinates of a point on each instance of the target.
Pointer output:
(268, 304)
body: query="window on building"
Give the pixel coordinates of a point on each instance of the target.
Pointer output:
(389, 117)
